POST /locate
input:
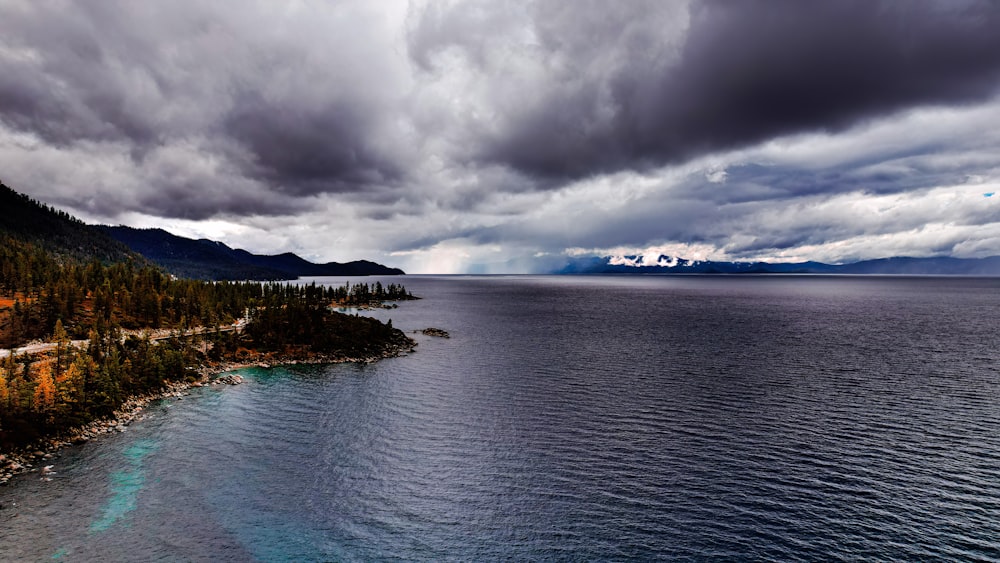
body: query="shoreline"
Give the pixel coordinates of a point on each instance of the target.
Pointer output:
(32, 458)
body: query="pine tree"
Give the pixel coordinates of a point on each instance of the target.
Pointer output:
(62, 340)
(77, 379)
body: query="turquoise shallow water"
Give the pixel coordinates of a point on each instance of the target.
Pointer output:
(573, 418)
(125, 485)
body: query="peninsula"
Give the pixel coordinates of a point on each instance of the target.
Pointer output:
(89, 330)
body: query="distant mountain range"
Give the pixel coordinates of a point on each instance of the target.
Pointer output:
(672, 265)
(26, 220)
(207, 259)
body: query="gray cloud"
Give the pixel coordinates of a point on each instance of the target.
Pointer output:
(487, 131)
(68, 93)
(275, 97)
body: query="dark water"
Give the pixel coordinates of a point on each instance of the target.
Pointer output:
(574, 418)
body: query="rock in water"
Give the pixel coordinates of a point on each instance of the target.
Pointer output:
(430, 331)
(229, 379)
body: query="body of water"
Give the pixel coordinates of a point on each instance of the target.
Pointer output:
(573, 418)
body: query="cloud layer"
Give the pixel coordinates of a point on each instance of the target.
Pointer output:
(501, 135)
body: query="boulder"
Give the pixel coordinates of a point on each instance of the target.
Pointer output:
(440, 333)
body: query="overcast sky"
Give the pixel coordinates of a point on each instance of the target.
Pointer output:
(499, 136)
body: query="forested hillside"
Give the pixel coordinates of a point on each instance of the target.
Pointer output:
(27, 220)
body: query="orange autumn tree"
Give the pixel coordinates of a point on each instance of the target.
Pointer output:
(45, 388)
(4, 393)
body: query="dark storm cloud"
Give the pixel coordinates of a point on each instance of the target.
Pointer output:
(310, 150)
(619, 97)
(204, 200)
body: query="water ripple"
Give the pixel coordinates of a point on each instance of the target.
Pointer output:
(582, 419)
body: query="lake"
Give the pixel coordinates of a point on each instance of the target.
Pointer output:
(573, 418)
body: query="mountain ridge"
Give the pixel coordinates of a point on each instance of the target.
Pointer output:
(898, 265)
(24, 220)
(214, 260)
(30, 221)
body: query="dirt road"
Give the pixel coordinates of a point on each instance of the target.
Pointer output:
(41, 347)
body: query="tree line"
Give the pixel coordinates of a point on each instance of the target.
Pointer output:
(44, 289)
(363, 294)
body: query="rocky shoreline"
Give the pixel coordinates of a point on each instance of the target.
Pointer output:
(32, 458)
